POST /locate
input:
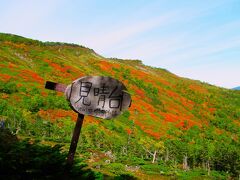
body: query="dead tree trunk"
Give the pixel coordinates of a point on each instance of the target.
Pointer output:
(185, 163)
(154, 156)
(167, 156)
(208, 167)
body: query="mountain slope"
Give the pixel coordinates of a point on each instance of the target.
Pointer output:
(237, 88)
(172, 118)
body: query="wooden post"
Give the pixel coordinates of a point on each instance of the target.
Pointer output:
(75, 137)
(76, 133)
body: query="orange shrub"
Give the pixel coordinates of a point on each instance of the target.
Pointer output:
(53, 114)
(5, 77)
(28, 75)
(198, 88)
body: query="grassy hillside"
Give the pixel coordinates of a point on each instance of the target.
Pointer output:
(176, 127)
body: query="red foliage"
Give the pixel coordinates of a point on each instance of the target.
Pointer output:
(65, 71)
(156, 135)
(172, 94)
(43, 93)
(148, 129)
(237, 122)
(11, 65)
(140, 107)
(57, 66)
(158, 79)
(53, 114)
(129, 131)
(219, 131)
(183, 120)
(5, 96)
(153, 116)
(91, 120)
(146, 77)
(28, 75)
(198, 88)
(138, 91)
(19, 85)
(16, 97)
(185, 102)
(107, 66)
(170, 117)
(163, 81)
(136, 106)
(212, 110)
(5, 77)
(147, 107)
(140, 74)
(16, 45)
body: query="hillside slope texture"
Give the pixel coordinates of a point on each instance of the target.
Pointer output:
(175, 127)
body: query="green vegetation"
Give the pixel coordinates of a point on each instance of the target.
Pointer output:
(175, 128)
(8, 87)
(31, 159)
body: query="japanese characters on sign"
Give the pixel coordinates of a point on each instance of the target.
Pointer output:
(98, 96)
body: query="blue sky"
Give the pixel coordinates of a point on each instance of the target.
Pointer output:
(198, 39)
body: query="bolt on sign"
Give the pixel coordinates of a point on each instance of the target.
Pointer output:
(98, 96)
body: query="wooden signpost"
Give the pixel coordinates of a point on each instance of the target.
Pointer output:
(97, 96)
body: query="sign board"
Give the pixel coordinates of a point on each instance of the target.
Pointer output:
(98, 96)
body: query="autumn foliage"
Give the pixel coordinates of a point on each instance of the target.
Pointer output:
(172, 120)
